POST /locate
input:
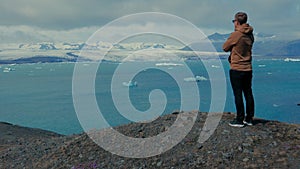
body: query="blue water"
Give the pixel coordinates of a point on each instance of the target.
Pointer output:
(40, 95)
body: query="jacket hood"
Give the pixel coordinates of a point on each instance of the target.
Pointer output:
(244, 28)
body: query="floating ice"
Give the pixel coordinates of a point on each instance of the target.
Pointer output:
(168, 64)
(215, 66)
(195, 79)
(38, 68)
(130, 84)
(8, 69)
(291, 60)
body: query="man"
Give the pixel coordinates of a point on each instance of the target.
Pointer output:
(240, 44)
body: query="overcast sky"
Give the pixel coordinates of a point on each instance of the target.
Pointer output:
(76, 20)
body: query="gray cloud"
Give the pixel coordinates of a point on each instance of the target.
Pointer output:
(269, 16)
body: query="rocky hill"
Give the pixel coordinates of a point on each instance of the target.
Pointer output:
(267, 144)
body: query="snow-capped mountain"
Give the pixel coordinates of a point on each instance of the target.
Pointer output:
(265, 45)
(44, 46)
(52, 46)
(98, 45)
(217, 37)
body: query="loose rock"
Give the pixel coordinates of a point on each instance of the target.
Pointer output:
(267, 144)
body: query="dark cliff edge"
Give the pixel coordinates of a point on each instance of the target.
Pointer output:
(267, 144)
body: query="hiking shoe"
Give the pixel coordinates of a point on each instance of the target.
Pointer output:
(236, 123)
(248, 122)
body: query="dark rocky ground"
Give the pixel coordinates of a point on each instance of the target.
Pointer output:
(267, 144)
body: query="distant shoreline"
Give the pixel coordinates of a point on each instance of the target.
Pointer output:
(73, 59)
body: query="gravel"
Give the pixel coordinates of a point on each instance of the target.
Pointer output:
(267, 144)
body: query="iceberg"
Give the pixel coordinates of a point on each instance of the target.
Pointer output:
(168, 64)
(195, 79)
(291, 60)
(8, 69)
(215, 66)
(130, 84)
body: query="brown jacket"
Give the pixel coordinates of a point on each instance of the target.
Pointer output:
(240, 44)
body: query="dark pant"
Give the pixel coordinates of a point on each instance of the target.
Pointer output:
(241, 82)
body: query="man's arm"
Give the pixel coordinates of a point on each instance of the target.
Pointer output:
(230, 42)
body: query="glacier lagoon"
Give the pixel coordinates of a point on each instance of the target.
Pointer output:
(39, 95)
